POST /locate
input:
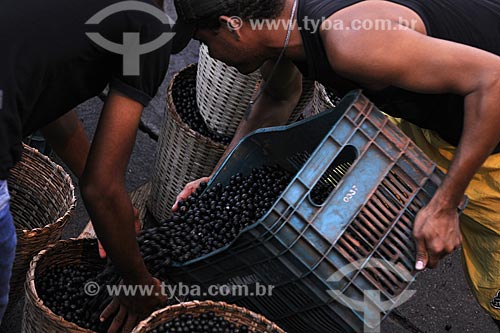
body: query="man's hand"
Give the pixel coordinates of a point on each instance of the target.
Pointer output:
(188, 190)
(102, 252)
(436, 233)
(129, 310)
(407, 58)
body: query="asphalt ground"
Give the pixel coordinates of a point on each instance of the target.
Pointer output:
(442, 302)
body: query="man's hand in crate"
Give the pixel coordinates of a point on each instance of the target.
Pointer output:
(188, 190)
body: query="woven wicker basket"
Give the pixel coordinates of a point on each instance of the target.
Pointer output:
(42, 201)
(236, 315)
(223, 94)
(183, 155)
(37, 317)
(320, 101)
(305, 101)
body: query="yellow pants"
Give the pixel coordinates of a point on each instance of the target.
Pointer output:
(480, 223)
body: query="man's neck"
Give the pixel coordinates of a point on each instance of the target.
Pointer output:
(274, 40)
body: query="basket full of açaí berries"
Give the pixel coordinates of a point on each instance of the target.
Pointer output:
(206, 317)
(187, 149)
(289, 208)
(206, 222)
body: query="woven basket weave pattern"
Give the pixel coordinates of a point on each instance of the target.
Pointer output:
(308, 93)
(37, 317)
(223, 94)
(320, 101)
(42, 201)
(239, 316)
(182, 156)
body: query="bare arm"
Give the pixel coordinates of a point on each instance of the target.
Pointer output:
(273, 108)
(411, 60)
(67, 137)
(103, 184)
(103, 189)
(275, 105)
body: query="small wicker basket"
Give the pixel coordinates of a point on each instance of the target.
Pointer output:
(240, 316)
(37, 317)
(183, 155)
(223, 94)
(42, 201)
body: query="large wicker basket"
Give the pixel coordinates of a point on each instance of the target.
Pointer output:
(37, 317)
(183, 155)
(223, 94)
(232, 313)
(42, 201)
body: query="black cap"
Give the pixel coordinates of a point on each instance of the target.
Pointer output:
(188, 13)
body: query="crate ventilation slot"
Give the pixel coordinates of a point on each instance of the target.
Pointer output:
(379, 231)
(298, 160)
(333, 175)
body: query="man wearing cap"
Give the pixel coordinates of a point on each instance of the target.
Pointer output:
(434, 64)
(49, 65)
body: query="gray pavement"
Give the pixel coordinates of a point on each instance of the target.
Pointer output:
(443, 302)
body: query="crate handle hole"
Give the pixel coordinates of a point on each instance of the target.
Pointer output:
(333, 176)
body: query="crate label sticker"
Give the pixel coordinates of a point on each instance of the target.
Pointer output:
(351, 194)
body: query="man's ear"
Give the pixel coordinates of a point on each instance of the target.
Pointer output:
(160, 3)
(232, 25)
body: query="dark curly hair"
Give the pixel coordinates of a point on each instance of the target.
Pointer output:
(246, 10)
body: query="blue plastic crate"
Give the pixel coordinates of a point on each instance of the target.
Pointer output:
(378, 178)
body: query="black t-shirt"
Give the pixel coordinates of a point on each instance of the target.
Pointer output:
(48, 65)
(470, 22)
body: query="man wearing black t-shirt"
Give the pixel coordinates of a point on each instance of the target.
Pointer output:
(49, 65)
(433, 64)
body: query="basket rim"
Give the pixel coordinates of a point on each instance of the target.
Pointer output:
(62, 220)
(209, 304)
(31, 291)
(178, 119)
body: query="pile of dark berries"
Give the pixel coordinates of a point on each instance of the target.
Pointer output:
(62, 291)
(212, 218)
(208, 220)
(184, 98)
(204, 323)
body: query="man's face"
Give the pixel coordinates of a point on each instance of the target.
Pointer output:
(239, 51)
